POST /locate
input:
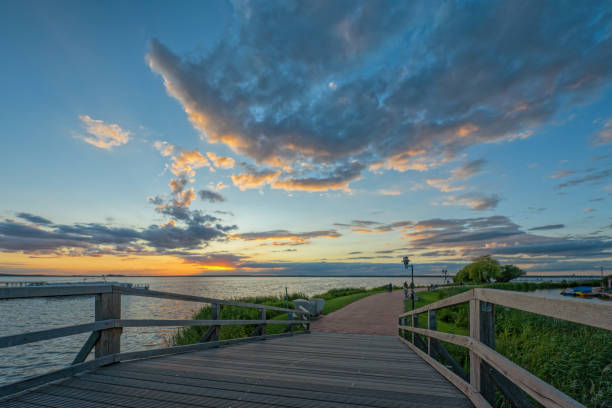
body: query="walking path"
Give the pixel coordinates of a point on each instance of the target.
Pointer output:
(374, 314)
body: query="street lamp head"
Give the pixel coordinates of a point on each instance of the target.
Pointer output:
(406, 261)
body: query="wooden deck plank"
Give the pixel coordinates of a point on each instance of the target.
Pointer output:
(325, 370)
(315, 392)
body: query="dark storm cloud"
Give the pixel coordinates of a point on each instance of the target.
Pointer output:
(211, 196)
(395, 85)
(547, 227)
(36, 219)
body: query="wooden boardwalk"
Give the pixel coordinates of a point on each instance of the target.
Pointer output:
(313, 370)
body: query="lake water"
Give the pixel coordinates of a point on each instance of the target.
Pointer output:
(26, 315)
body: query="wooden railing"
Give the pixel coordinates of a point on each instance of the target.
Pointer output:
(106, 330)
(489, 369)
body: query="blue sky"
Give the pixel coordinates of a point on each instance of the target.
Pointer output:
(295, 138)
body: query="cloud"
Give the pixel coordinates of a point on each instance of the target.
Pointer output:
(93, 239)
(339, 179)
(221, 161)
(389, 192)
(603, 135)
(373, 227)
(475, 201)
(102, 135)
(561, 173)
(164, 148)
(413, 85)
(35, 219)
(593, 178)
(289, 238)
(547, 227)
(443, 185)
(587, 210)
(187, 162)
(468, 170)
(499, 236)
(211, 196)
(251, 178)
(438, 232)
(222, 259)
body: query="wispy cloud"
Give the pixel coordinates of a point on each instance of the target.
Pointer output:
(475, 201)
(223, 162)
(604, 134)
(547, 227)
(103, 135)
(284, 237)
(593, 178)
(252, 178)
(374, 227)
(211, 196)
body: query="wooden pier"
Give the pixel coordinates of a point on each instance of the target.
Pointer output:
(293, 369)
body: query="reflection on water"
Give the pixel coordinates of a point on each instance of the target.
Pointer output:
(26, 315)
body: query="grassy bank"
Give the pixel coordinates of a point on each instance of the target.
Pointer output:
(334, 300)
(573, 358)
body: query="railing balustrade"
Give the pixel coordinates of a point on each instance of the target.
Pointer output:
(489, 369)
(106, 330)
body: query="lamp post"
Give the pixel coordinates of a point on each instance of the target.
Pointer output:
(445, 272)
(406, 263)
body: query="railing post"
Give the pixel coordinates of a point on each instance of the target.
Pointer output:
(475, 334)
(431, 325)
(415, 323)
(108, 306)
(262, 316)
(216, 315)
(487, 337)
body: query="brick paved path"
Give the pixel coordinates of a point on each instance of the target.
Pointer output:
(374, 314)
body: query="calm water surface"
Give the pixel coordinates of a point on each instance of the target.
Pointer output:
(26, 315)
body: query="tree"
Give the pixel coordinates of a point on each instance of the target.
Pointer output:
(482, 269)
(510, 272)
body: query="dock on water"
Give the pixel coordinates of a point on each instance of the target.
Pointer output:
(362, 364)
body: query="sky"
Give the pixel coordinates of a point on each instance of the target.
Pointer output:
(304, 138)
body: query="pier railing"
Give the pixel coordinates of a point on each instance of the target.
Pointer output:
(489, 369)
(105, 330)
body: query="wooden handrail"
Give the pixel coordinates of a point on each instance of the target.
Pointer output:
(590, 314)
(32, 337)
(89, 290)
(481, 348)
(53, 291)
(199, 299)
(461, 298)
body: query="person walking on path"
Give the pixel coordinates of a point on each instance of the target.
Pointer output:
(405, 290)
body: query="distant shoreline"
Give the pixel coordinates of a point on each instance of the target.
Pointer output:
(270, 276)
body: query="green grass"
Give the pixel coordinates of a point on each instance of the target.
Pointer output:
(334, 299)
(573, 358)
